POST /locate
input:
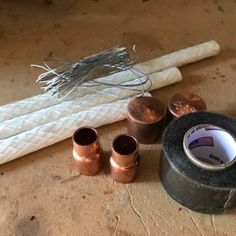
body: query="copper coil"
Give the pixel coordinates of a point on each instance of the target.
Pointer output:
(87, 151)
(146, 119)
(184, 103)
(124, 160)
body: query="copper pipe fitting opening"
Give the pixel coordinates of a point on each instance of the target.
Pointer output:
(146, 119)
(87, 151)
(183, 103)
(124, 160)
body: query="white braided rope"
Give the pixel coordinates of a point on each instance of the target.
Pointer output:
(20, 124)
(53, 132)
(175, 59)
(181, 57)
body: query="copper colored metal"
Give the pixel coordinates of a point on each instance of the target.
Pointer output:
(146, 119)
(87, 151)
(124, 160)
(184, 103)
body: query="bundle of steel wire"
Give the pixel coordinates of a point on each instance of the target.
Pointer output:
(62, 79)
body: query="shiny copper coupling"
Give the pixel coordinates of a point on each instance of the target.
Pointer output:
(146, 119)
(184, 103)
(124, 160)
(87, 151)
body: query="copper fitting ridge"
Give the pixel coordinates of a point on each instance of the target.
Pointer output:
(87, 151)
(146, 119)
(184, 103)
(124, 160)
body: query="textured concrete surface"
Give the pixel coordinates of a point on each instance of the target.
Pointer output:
(40, 194)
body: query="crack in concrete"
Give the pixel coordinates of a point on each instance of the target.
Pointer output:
(117, 223)
(152, 218)
(50, 228)
(16, 208)
(136, 212)
(113, 183)
(212, 219)
(70, 179)
(193, 221)
(163, 219)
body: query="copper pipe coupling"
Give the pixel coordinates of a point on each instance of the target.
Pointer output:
(146, 119)
(124, 160)
(87, 151)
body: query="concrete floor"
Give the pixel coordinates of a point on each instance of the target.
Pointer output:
(38, 194)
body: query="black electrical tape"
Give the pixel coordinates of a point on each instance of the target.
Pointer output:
(193, 187)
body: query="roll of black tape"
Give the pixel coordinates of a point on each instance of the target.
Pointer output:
(198, 163)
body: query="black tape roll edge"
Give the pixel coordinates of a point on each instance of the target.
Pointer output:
(193, 187)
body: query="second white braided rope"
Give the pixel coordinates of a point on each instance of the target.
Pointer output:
(20, 124)
(50, 133)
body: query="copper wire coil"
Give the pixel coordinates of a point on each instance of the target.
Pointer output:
(87, 151)
(124, 160)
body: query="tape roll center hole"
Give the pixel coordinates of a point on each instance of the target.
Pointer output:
(125, 145)
(209, 144)
(85, 136)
